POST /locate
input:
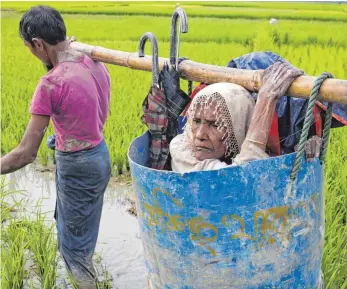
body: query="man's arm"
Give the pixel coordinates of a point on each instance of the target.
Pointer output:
(26, 152)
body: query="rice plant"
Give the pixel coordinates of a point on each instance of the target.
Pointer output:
(43, 246)
(8, 203)
(196, 10)
(335, 188)
(14, 247)
(104, 279)
(25, 240)
(217, 43)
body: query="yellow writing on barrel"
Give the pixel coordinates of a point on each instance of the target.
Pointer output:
(268, 224)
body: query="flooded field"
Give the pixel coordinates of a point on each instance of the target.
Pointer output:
(119, 243)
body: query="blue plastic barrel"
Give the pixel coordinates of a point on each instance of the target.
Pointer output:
(239, 227)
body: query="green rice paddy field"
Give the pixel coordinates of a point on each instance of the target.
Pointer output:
(311, 36)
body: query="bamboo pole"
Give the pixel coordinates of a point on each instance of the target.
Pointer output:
(332, 90)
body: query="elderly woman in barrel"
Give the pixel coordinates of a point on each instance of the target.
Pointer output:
(225, 127)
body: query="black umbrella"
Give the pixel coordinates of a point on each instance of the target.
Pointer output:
(155, 110)
(176, 98)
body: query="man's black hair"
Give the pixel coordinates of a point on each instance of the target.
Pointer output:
(42, 22)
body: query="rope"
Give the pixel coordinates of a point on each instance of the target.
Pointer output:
(307, 123)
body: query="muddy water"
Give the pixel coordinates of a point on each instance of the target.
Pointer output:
(119, 242)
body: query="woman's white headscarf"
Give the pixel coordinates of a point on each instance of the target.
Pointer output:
(235, 107)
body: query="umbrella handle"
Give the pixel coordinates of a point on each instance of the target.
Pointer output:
(174, 37)
(155, 57)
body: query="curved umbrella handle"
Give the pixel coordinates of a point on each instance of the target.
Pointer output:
(155, 57)
(174, 37)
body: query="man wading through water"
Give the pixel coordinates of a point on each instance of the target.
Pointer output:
(75, 93)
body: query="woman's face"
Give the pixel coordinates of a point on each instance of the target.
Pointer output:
(207, 139)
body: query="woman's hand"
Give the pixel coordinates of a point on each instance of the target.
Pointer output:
(313, 148)
(277, 79)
